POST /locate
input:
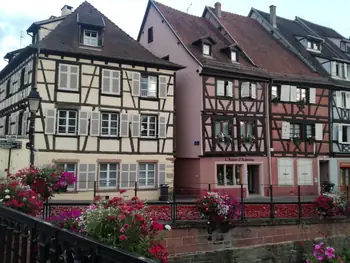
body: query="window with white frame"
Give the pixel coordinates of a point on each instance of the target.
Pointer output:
(147, 175)
(233, 56)
(68, 78)
(149, 86)
(300, 94)
(67, 122)
(248, 90)
(229, 174)
(295, 130)
(274, 92)
(206, 49)
(108, 175)
(91, 38)
(224, 88)
(223, 126)
(314, 45)
(246, 128)
(109, 124)
(110, 82)
(148, 126)
(309, 131)
(345, 134)
(70, 168)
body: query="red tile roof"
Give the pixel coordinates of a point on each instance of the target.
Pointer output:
(261, 47)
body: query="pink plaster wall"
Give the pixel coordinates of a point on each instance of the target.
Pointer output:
(293, 190)
(188, 100)
(187, 179)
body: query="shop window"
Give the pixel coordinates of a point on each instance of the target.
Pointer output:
(228, 174)
(344, 176)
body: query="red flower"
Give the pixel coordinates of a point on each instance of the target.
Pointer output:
(157, 226)
(122, 191)
(122, 237)
(110, 218)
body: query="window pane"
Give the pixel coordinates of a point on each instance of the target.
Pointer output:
(103, 183)
(217, 127)
(220, 174)
(142, 166)
(71, 122)
(238, 174)
(151, 167)
(71, 129)
(113, 175)
(103, 175)
(62, 113)
(142, 182)
(112, 183)
(229, 175)
(70, 167)
(113, 166)
(103, 167)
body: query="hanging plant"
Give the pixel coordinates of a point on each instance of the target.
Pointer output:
(311, 139)
(223, 138)
(249, 139)
(301, 104)
(296, 140)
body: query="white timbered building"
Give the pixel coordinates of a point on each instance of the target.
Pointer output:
(107, 104)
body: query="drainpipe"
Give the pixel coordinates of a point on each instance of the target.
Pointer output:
(268, 135)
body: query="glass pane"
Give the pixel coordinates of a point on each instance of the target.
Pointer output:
(103, 175)
(114, 117)
(151, 167)
(71, 122)
(104, 131)
(225, 127)
(61, 129)
(238, 174)
(74, 69)
(103, 167)
(112, 183)
(142, 182)
(229, 174)
(72, 114)
(62, 122)
(217, 127)
(113, 175)
(62, 113)
(71, 129)
(70, 167)
(152, 133)
(220, 174)
(103, 183)
(142, 175)
(105, 117)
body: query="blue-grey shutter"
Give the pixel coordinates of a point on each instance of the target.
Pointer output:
(73, 77)
(25, 123)
(162, 94)
(132, 175)
(124, 176)
(83, 123)
(162, 127)
(63, 76)
(91, 175)
(136, 84)
(135, 132)
(106, 76)
(50, 121)
(124, 125)
(95, 124)
(161, 173)
(115, 82)
(82, 177)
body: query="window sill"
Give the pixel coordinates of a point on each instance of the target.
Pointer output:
(248, 99)
(229, 186)
(106, 137)
(68, 90)
(149, 98)
(66, 135)
(110, 94)
(107, 189)
(148, 138)
(224, 97)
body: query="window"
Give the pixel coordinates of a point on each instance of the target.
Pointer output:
(300, 94)
(246, 128)
(67, 122)
(344, 46)
(314, 46)
(223, 126)
(309, 131)
(108, 175)
(233, 56)
(345, 134)
(150, 35)
(206, 49)
(70, 168)
(68, 78)
(90, 38)
(274, 92)
(224, 88)
(149, 86)
(344, 176)
(147, 172)
(110, 82)
(343, 99)
(228, 174)
(248, 90)
(109, 124)
(148, 126)
(295, 130)
(23, 72)
(338, 70)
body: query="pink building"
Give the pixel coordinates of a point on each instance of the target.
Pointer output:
(223, 97)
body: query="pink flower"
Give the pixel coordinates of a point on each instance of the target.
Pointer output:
(330, 252)
(122, 237)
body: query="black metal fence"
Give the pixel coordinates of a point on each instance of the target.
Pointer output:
(27, 239)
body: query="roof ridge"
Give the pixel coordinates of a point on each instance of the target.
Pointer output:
(177, 10)
(231, 13)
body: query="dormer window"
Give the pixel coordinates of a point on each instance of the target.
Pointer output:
(233, 56)
(206, 49)
(340, 70)
(90, 38)
(313, 45)
(345, 46)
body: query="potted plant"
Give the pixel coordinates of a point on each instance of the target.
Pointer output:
(296, 140)
(301, 103)
(249, 139)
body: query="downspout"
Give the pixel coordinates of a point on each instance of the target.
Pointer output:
(268, 134)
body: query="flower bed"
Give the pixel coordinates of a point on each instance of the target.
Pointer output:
(327, 254)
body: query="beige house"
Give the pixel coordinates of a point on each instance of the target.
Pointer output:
(107, 105)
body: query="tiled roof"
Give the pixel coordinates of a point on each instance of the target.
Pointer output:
(191, 28)
(322, 30)
(116, 43)
(262, 47)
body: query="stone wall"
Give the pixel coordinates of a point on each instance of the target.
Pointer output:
(254, 242)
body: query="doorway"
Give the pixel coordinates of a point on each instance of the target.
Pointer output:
(324, 171)
(253, 179)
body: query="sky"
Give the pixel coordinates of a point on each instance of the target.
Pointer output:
(17, 15)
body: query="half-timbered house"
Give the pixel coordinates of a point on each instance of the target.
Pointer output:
(107, 104)
(237, 82)
(326, 51)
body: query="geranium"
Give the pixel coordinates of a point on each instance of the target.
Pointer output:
(69, 220)
(18, 196)
(121, 224)
(218, 205)
(46, 180)
(325, 254)
(325, 205)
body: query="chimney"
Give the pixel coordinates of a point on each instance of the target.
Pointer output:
(66, 10)
(218, 9)
(273, 16)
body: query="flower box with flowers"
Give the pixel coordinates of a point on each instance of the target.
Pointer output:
(296, 140)
(120, 224)
(328, 205)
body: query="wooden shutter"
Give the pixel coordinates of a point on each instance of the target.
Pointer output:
(124, 176)
(312, 95)
(124, 125)
(95, 124)
(91, 176)
(73, 77)
(50, 123)
(253, 90)
(293, 93)
(347, 96)
(338, 98)
(285, 92)
(25, 123)
(340, 133)
(220, 88)
(319, 131)
(245, 87)
(345, 70)
(106, 76)
(15, 125)
(136, 84)
(229, 89)
(83, 123)
(63, 76)
(162, 94)
(162, 127)
(161, 173)
(333, 69)
(285, 130)
(135, 124)
(281, 171)
(289, 171)
(86, 176)
(115, 83)
(304, 169)
(132, 175)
